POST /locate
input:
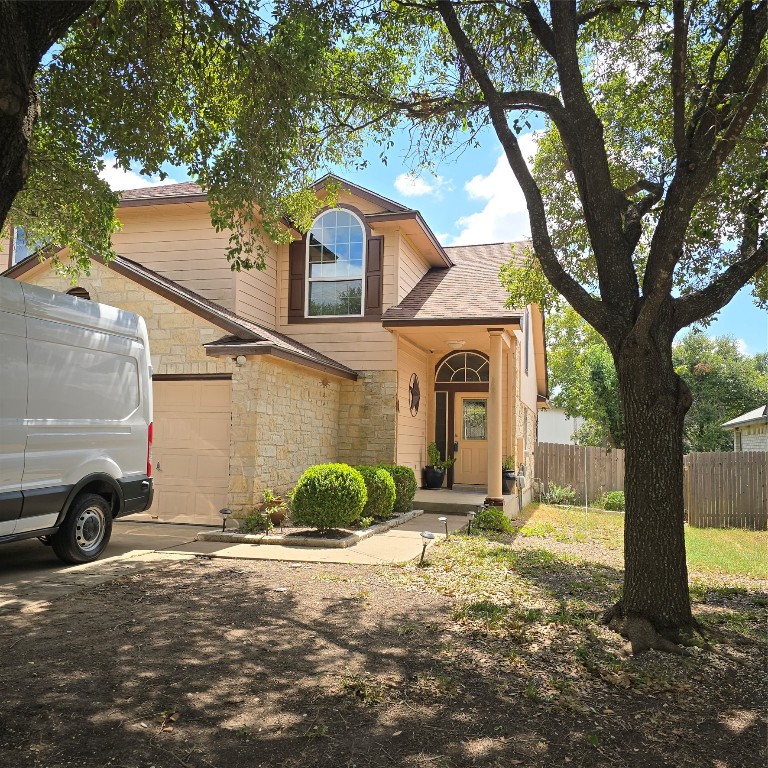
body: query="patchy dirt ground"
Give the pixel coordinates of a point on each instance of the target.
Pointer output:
(490, 656)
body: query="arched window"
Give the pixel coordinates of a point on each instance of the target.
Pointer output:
(81, 293)
(462, 367)
(335, 265)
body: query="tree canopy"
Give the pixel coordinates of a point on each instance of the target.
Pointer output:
(226, 88)
(724, 383)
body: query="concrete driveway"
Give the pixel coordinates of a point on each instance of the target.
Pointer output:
(30, 574)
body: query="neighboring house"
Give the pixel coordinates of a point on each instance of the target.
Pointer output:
(556, 427)
(361, 342)
(750, 430)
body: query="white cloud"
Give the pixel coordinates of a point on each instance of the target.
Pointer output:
(409, 185)
(505, 215)
(741, 345)
(118, 179)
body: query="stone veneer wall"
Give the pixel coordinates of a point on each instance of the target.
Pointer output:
(368, 418)
(284, 419)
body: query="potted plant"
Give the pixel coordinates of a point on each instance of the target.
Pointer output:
(434, 472)
(508, 476)
(273, 506)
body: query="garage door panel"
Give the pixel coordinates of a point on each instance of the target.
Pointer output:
(192, 427)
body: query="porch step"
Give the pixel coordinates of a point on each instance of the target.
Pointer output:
(443, 501)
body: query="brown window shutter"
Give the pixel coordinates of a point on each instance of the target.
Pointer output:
(297, 256)
(374, 278)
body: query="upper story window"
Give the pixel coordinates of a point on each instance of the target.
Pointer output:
(463, 367)
(335, 265)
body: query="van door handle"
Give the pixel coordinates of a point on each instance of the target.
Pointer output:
(158, 466)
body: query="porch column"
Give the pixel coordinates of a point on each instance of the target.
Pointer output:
(495, 389)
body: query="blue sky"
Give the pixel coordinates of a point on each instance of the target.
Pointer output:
(474, 198)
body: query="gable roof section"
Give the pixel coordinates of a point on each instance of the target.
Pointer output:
(250, 337)
(757, 416)
(163, 194)
(468, 291)
(389, 205)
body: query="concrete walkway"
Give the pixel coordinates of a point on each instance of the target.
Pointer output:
(32, 576)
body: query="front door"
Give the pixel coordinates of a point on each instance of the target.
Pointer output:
(471, 435)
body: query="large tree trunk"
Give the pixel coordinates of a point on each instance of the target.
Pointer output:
(655, 606)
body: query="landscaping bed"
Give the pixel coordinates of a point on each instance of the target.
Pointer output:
(309, 537)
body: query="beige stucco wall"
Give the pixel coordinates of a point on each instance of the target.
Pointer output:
(412, 430)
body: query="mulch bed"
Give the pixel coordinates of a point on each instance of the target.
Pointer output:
(208, 665)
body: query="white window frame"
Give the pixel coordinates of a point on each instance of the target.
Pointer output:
(308, 280)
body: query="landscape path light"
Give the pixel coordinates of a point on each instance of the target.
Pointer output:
(225, 513)
(470, 517)
(426, 536)
(444, 520)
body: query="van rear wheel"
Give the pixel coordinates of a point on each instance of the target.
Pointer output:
(86, 530)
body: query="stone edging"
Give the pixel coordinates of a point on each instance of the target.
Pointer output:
(308, 541)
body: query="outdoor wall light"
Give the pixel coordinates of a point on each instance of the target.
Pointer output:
(225, 513)
(470, 517)
(456, 344)
(444, 520)
(426, 537)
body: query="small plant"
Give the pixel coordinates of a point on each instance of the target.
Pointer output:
(508, 464)
(381, 492)
(493, 519)
(256, 522)
(405, 486)
(559, 494)
(613, 501)
(435, 460)
(366, 522)
(329, 496)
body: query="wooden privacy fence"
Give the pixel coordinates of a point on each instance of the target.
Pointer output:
(722, 490)
(727, 490)
(571, 464)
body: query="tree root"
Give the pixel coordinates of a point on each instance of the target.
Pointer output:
(642, 635)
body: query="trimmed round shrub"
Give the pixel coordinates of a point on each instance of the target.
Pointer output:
(328, 496)
(381, 492)
(492, 519)
(405, 486)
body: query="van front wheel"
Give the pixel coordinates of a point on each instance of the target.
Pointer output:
(85, 531)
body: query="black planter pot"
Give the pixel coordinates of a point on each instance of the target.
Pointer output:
(433, 477)
(508, 480)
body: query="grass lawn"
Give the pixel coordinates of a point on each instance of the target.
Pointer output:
(709, 550)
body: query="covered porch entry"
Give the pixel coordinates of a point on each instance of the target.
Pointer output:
(468, 389)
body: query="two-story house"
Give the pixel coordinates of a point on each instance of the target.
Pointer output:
(361, 342)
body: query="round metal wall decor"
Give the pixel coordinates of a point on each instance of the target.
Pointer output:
(414, 394)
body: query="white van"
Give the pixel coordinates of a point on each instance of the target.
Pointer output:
(75, 419)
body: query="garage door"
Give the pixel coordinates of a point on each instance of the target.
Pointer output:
(190, 455)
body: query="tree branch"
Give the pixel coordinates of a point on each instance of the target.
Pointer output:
(539, 26)
(590, 308)
(697, 306)
(679, 62)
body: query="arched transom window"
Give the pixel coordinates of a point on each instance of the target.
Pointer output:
(461, 367)
(335, 265)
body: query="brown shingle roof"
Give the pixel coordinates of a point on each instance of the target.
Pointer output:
(163, 190)
(471, 289)
(242, 330)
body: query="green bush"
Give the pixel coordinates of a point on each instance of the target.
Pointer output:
(328, 496)
(559, 494)
(255, 522)
(613, 501)
(405, 486)
(381, 492)
(492, 519)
